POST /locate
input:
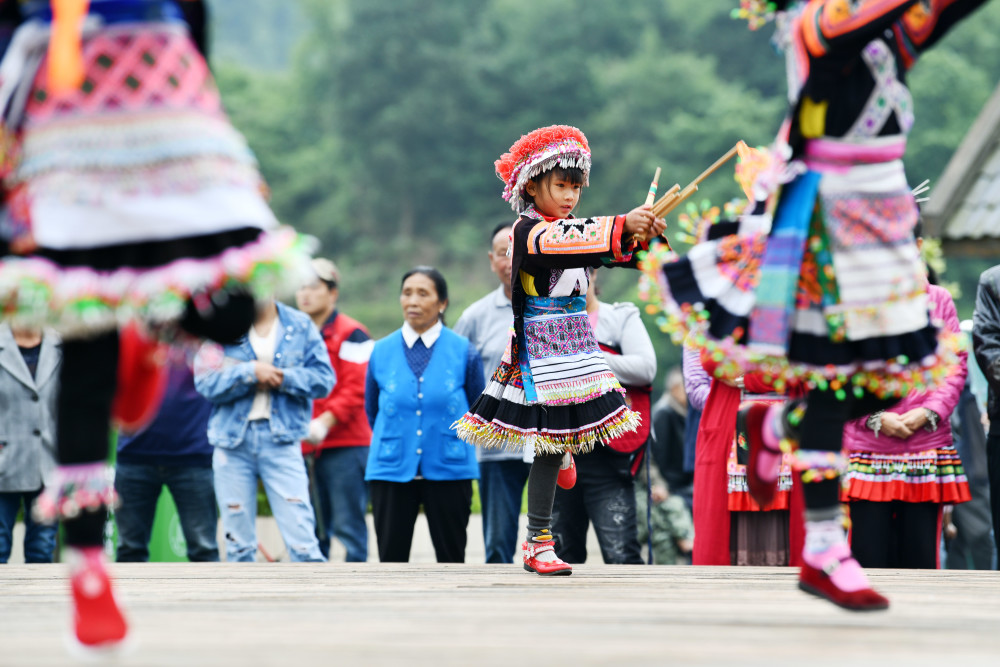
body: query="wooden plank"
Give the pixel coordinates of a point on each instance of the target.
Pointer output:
(982, 139)
(382, 614)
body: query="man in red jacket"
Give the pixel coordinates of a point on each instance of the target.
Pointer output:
(339, 434)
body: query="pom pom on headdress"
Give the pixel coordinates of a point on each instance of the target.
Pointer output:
(537, 152)
(757, 13)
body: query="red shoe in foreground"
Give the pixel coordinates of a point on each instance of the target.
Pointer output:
(98, 621)
(764, 459)
(567, 475)
(821, 583)
(142, 379)
(546, 569)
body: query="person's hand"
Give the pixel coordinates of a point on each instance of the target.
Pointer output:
(892, 424)
(642, 224)
(658, 493)
(914, 419)
(317, 431)
(949, 529)
(267, 375)
(686, 546)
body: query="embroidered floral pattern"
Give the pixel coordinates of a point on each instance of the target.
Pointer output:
(739, 260)
(870, 221)
(563, 336)
(578, 235)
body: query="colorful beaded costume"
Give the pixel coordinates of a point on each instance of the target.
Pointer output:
(553, 390)
(130, 192)
(823, 283)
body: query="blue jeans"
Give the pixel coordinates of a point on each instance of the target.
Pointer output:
(501, 488)
(343, 499)
(39, 538)
(193, 489)
(283, 472)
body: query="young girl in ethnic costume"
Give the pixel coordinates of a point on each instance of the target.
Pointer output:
(553, 390)
(127, 196)
(829, 290)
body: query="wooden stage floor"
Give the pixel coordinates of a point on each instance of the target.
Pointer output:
(424, 614)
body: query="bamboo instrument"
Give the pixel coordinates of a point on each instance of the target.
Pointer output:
(652, 188)
(667, 197)
(679, 199)
(673, 199)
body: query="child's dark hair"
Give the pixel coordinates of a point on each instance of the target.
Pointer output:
(574, 175)
(440, 284)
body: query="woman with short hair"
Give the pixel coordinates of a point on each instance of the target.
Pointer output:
(421, 378)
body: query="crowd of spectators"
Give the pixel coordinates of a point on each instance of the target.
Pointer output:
(307, 411)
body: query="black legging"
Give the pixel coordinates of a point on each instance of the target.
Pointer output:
(895, 534)
(542, 492)
(88, 379)
(822, 429)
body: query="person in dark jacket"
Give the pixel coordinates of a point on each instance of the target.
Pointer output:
(986, 347)
(172, 452)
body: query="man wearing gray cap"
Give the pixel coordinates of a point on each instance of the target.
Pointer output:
(339, 434)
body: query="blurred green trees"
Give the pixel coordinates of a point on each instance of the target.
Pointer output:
(376, 122)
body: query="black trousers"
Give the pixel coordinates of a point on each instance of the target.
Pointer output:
(822, 429)
(395, 506)
(895, 534)
(993, 465)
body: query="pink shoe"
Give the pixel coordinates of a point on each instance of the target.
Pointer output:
(98, 621)
(567, 475)
(841, 581)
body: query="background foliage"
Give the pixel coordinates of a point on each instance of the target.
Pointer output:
(376, 122)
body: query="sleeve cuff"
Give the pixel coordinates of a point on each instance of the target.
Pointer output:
(616, 238)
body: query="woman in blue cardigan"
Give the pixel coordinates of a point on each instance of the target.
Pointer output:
(421, 378)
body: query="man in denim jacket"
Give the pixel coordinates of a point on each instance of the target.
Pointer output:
(261, 389)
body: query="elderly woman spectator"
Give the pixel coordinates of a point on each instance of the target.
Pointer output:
(421, 378)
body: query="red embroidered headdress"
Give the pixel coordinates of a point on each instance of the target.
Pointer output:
(537, 152)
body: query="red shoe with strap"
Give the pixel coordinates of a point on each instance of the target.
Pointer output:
(98, 621)
(545, 568)
(820, 582)
(567, 475)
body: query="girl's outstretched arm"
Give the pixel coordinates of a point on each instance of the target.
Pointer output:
(580, 242)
